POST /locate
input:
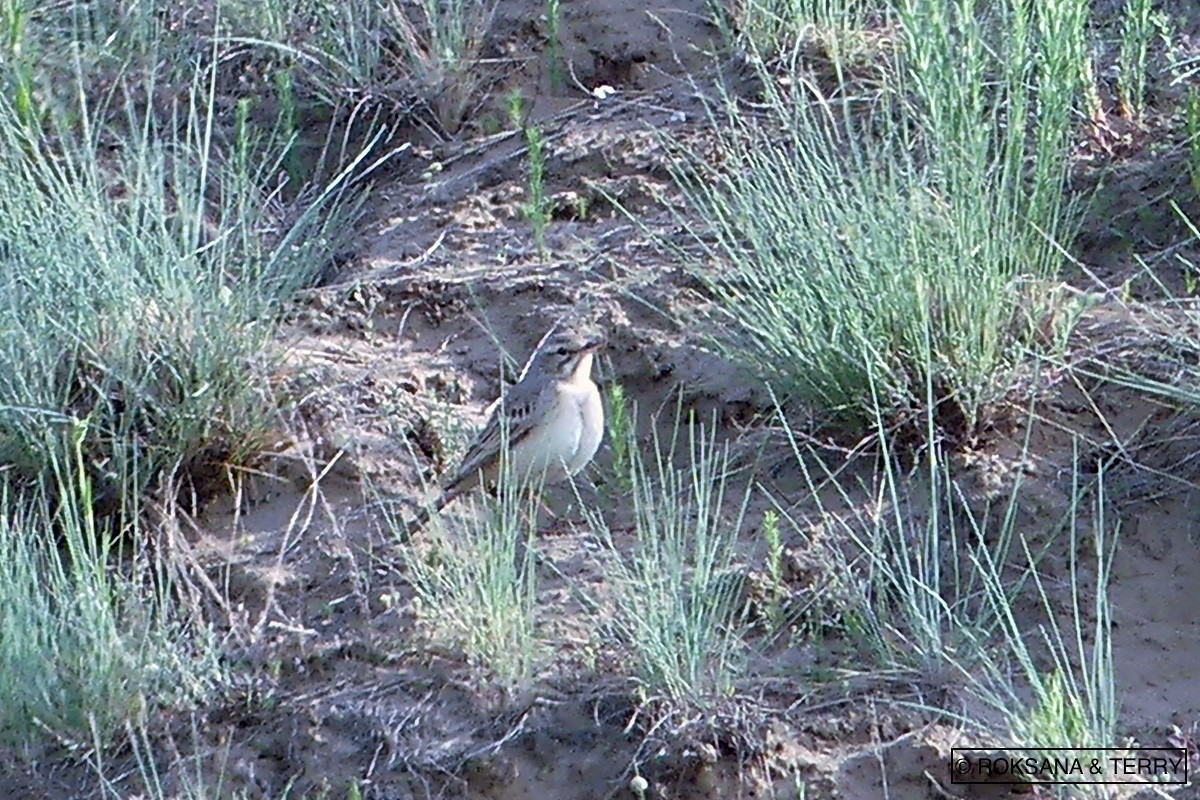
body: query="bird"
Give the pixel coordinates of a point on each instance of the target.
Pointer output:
(551, 421)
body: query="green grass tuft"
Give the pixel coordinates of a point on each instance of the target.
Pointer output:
(89, 640)
(139, 289)
(476, 580)
(679, 608)
(856, 256)
(957, 591)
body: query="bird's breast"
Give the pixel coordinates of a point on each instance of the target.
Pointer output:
(567, 438)
(591, 419)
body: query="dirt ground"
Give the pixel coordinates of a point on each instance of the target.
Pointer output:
(408, 338)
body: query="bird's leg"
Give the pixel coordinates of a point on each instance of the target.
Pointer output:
(555, 523)
(575, 516)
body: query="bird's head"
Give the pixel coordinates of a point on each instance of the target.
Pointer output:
(567, 353)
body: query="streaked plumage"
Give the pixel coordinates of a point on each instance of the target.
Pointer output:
(552, 420)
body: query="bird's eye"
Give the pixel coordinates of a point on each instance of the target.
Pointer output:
(562, 351)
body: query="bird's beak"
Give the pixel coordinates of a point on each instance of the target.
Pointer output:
(594, 344)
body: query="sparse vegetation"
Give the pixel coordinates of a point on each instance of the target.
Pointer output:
(772, 28)
(477, 592)
(554, 56)
(88, 642)
(775, 584)
(1192, 128)
(678, 606)
(1136, 32)
(443, 51)
(536, 208)
(147, 252)
(140, 309)
(940, 588)
(1075, 702)
(865, 275)
(871, 221)
(476, 583)
(622, 436)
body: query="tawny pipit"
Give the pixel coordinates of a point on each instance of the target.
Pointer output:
(551, 420)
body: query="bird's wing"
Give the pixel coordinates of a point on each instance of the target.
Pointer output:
(519, 410)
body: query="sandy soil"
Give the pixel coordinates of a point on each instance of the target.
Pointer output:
(396, 359)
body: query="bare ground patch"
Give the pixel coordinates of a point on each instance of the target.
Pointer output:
(392, 364)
